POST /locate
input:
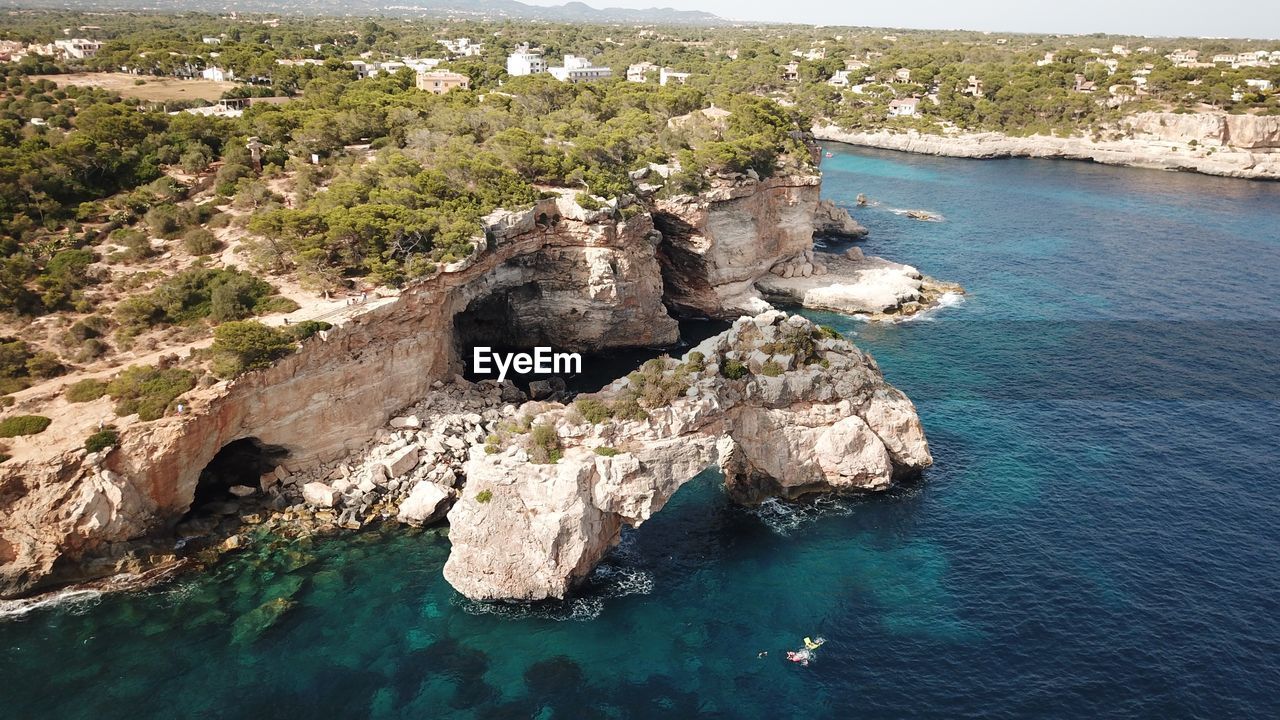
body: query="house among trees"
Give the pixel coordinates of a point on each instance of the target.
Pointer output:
(666, 75)
(525, 60)
(440, 82)
(1083, 84)
(902, 75)
(974, 87)
(578, 69)
(791, 72)
(904, 107)
(639, 72)
(77, 48)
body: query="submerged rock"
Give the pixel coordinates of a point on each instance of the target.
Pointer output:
(783, 406)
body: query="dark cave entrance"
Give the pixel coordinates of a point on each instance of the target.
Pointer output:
(239, 462)
(493, 321)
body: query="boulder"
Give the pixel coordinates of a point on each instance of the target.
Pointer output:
(241, 490)
(401, 461)
(425, 503)
(317, 494)
(408, 421)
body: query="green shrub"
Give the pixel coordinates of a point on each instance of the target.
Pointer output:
(23, 425)
(484, 496)
(696, 361)
(148, 391)
(592, 410)
(103, 439)
(733, 369)
(199, 292)
(654, 385)
(247, 345)
(796, 342)
(86, 328)
(7, 401)
(199, 241)
(770, 369)
(164, 220)
(493, 445)
(44, 364)
(607, 451)
(86, 391)
(136, 246)
(305, 329)
(544, 445)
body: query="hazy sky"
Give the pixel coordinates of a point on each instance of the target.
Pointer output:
(1200, 18)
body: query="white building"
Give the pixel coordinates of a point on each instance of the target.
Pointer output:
(1263, 85)
(639, 72)
(904, 107)
(666, 75)
(578, 69)
(526, 61)
(840, 79)
(463, 47)
(1048, 59)
(902, 75)
(77, 48)
(211, 40)
(217, 74)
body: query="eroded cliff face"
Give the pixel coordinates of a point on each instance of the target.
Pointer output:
(1248, 132)
(589, 281)
(809, 413)
(717, 245)
(554, 275)
(1243, 146)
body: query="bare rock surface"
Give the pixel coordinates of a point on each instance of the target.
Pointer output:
(1213, 143)
(831, 220)
(784, 407)
(854, 284)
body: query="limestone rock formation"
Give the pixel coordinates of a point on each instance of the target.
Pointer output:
(831, 220)
(1244, 146)
(808, 412)
(554, 274)
(717, 244)
(857, 285)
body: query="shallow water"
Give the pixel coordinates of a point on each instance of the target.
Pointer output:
(1097, 538)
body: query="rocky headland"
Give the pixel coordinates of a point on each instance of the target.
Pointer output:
(1212, 143)
(555, 274)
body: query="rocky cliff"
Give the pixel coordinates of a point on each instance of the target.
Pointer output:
(555, 274)
(782, 406)
(586, 279)
(1244, 146)
(716, 245)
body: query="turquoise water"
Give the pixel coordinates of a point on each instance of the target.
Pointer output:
(1097, 538)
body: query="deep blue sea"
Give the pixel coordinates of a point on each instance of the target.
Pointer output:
(1099, 537)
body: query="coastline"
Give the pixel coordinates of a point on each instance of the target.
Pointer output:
(1142, 153)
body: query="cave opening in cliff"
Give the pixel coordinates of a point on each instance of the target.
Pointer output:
(239, 462)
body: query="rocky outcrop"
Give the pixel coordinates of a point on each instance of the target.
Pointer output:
(716, 245)
(586, 279)
(784, 407)
(554, 274)
(1243, 146)
(1212, 129)
(831, 220)
(854, 284)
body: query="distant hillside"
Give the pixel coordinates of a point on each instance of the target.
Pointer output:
(479, 9)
